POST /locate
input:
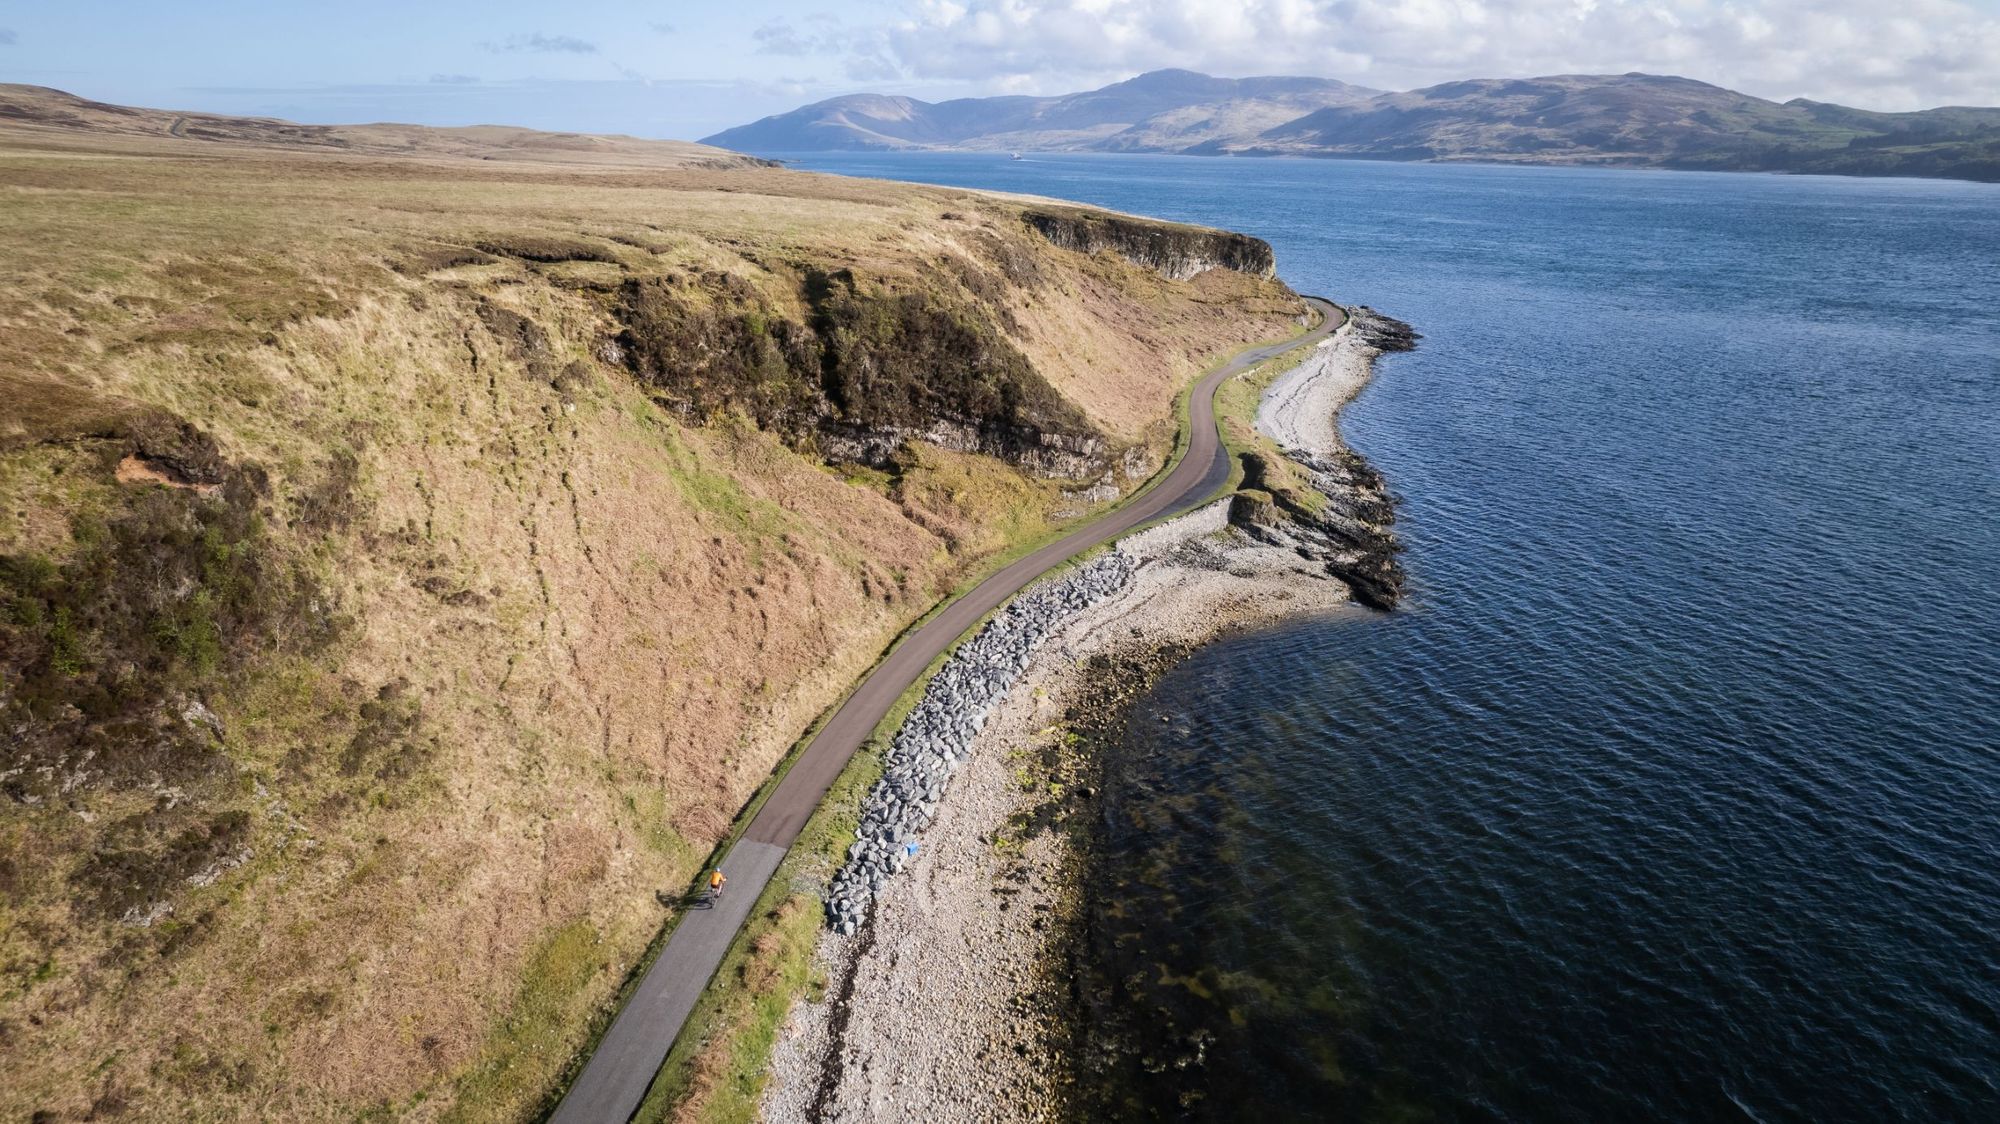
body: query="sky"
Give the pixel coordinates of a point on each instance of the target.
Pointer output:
(687, 68)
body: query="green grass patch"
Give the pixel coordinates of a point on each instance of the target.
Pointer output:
(1235, 418)
(528, 1045)
(1236, 402)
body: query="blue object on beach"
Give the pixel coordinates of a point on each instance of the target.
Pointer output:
(910, 848)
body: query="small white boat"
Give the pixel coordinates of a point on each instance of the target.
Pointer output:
(1014, 156)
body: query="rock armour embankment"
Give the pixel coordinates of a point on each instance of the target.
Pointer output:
(936, 739)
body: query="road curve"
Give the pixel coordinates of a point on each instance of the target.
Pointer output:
(616, 1078)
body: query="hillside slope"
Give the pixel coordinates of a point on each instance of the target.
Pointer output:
(1623, 119)
(60, 114)
(408, 566)
(1568, 117)
(1635, 119)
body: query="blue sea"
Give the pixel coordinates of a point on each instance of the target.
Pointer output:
(1674, 792)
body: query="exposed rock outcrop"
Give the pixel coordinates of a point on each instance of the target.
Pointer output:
(1352, 532)
(868, 371)
(1344, 516)
(1174, 251)
(1383, 333)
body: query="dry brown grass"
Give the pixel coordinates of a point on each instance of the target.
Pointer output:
(570, 631)
(56, 115)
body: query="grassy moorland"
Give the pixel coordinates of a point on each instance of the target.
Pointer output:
(414, 552)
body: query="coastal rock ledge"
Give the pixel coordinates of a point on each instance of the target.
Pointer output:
(1175, 251)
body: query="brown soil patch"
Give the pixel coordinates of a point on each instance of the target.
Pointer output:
(137, 469)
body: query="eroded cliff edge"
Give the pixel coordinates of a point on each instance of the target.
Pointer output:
(1173, 250)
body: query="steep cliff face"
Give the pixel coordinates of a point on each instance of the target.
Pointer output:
(866, 371)
(408, 568)
(1176, 252)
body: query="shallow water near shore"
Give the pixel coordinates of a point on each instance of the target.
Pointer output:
(1675, 791)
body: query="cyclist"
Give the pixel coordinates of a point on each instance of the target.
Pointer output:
(715, 881)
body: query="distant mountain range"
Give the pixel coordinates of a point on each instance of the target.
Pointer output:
(1638, 120)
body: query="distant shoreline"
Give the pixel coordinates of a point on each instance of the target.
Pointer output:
(793, 158)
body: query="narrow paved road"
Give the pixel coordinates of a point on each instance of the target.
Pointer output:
(614, 1081)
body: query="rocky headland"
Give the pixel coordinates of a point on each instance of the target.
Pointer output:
(951, 928)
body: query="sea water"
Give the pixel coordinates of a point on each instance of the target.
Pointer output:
(1674, 792)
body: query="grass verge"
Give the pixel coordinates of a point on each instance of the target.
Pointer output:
(1236, 402)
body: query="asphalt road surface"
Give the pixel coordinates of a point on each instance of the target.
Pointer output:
(616, 1078)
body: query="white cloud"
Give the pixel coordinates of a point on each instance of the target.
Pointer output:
(780, 38)
(541, 44)
(1903, 55)
(864, 51)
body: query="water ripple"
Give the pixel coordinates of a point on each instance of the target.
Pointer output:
(1675, 792)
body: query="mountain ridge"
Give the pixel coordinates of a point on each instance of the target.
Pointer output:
(882, 121)
(1632, 119)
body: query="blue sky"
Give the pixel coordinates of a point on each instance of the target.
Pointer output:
(653, 68)
(685, 68)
